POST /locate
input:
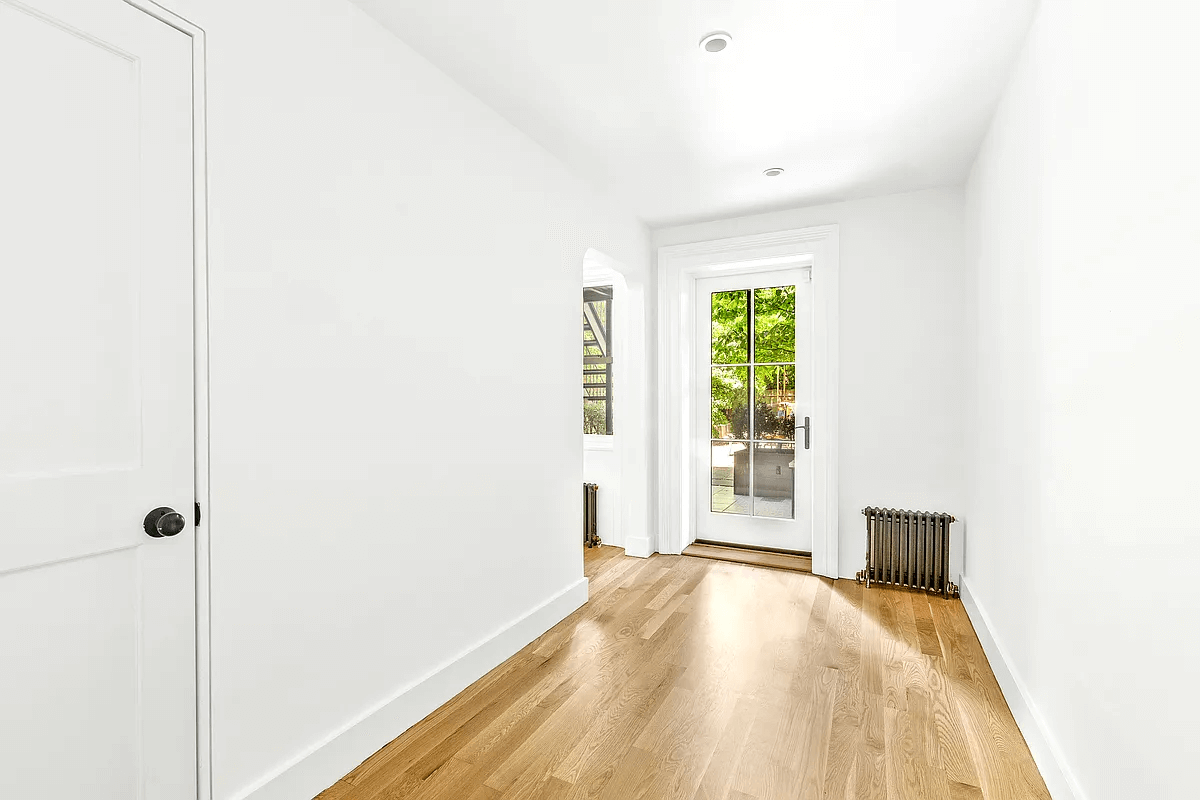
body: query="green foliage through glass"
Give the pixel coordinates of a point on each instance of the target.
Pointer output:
(775, 402)
(730, 396)
(731, 327)
(775, 324)
(774, 332)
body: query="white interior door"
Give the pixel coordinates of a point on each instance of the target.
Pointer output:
(753, 464)
(97, 618)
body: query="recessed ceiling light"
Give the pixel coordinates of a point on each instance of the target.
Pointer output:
(773, 171)
(715, 42)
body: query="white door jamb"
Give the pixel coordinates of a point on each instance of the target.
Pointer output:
(200, 365)
(679, 266)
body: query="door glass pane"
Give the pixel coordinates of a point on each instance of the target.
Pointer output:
(731, 327)
(753, 411)
(774, 324)
(775, 402)
(730, 401)
(730, 472)
(774, 479)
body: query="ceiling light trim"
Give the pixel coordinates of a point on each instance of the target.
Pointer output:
(716, 42)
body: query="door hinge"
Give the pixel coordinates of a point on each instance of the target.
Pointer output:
(197, 514)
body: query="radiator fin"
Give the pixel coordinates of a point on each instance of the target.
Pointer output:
(591, 530)
(909, 548)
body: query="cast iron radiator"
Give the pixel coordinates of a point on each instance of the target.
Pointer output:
(591, 538)
(909, 548)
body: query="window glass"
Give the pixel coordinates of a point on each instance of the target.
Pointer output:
(753, 446)
(731, 327)
(597, 360)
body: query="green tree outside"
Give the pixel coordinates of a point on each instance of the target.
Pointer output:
(774, 313)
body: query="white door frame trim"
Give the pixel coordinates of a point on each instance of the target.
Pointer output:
(679, 266)
(200, 365)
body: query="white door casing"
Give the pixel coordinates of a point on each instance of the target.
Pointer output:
(679, 267)
(756, 527)
(97, 418)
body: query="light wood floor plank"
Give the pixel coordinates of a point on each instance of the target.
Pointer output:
(959, 791)
(526, 773)
(697, 679)
(600, 749)
(714, 785)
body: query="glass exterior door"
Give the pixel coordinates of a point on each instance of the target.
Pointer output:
(754, 364)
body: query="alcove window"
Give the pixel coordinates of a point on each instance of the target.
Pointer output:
(597, 360)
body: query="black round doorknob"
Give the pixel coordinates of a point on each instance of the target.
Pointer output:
(164, 521)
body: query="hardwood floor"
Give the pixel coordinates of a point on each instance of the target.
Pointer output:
(690, 679)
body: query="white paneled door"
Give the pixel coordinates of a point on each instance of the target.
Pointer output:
(754, 394)
(97, 611)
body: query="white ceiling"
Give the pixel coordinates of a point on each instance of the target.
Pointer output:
(851, 97)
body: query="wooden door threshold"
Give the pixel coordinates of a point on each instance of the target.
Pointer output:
(755, 558)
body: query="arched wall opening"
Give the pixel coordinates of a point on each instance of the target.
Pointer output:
(619, 464)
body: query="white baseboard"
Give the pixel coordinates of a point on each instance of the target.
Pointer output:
(1050, 762)
(638, 546)
(314, 770)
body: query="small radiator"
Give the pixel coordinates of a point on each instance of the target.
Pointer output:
(912, 548)
(591, 536)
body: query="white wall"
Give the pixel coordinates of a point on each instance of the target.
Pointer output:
(901, 349)
(1082, 533)
(603, 468)
(395, 451)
